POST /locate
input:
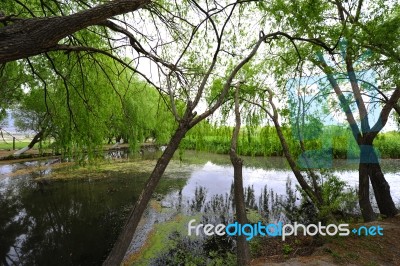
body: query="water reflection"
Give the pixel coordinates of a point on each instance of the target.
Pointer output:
(216, 178)
(76, 221)
(65, 222)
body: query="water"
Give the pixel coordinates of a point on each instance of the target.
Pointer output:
(72, 222)
(76, 221)
(218, 178)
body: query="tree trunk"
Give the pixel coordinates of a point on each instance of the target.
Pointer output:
(363, 193)
(117, 254)
(381, 186)
(34, 36)
(38, 137)
(312, 194)
(369, 164)
(242, 247)
(382, 191)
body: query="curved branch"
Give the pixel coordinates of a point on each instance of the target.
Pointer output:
(135, 43)
(34, 36)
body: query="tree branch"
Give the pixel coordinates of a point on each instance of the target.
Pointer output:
(34, 36)
(384, 115)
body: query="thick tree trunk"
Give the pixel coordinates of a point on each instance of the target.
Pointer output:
(363, 193)
(34, 36)
(242, 248)
(117, 254)
(381, 186)
(370, 166)
(382, 191)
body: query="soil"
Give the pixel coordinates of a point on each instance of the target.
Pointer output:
(337, 250)
(8, 155)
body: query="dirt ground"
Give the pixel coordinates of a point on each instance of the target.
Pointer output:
(349, 250)
(7, 153)
(7, 156)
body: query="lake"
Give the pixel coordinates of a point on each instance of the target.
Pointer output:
(64, 221)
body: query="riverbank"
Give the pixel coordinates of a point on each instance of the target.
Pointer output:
(350, 250)
(195, 182)
(34, 153)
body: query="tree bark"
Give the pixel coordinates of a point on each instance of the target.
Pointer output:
(363, 193)
(314, 195)
(117, 254)
(38, 137)
(242, 248)
(381, 187)
(28, 37)
(369, 163)
(382, 191)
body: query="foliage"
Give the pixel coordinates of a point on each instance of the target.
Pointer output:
(340, 200)
(388, 144)
(286, 249)
(81, 112)
(31, 112)
(263, 141)
(339, 197)
(11, 86)
(88, 98)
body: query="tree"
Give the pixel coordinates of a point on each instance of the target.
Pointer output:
(190, 45)
(243, 252)
(180, 77)
(185, 122)
(80, 111)
(269, 104)
(22, 37)
(341, 32)
(31, 115)
(10, 89)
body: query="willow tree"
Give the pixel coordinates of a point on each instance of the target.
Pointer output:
(203, 53)
(78, 112)
(243, 251)
(31, 28)
(265, 99)
(188, 45)
(45, 28)
(30, 115)
(342, 57)
(10, 88)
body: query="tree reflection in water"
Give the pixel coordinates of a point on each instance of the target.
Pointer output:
(68, 223)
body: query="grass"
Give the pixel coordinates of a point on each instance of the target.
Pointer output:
(158, 240)
(264, 142)
(9, 145)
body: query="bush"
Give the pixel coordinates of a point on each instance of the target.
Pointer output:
(339, 198)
